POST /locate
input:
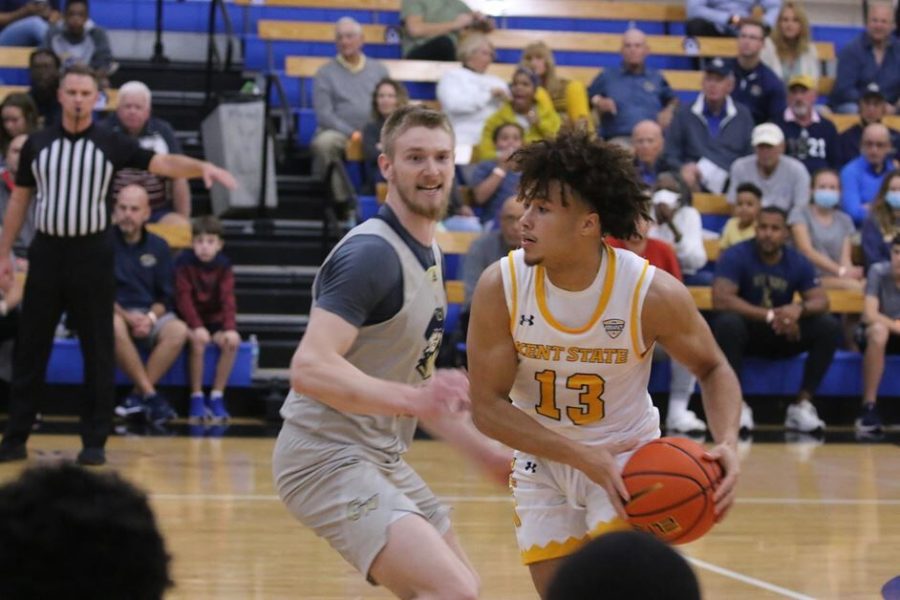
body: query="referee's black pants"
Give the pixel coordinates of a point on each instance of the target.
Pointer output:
(76, 275)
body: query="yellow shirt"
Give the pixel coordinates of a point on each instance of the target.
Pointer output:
(733, 233)
(548, 124)
(571, 102)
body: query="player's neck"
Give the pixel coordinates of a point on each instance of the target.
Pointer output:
(420, 227)
(574, 275)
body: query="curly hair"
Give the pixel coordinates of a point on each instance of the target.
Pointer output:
(599, 174)
(68, 533)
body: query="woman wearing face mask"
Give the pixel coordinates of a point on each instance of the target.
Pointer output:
(822, 233)
(883, 221)
(530, 106)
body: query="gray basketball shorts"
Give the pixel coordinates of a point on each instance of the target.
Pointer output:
(349, 500)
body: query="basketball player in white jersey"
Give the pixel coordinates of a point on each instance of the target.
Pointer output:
(565, 327)
(364, 374)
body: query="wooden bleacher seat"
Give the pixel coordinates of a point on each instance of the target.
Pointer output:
(15, 56)
(176, 236)
(842, 301)
(844, 122)
(711, 204)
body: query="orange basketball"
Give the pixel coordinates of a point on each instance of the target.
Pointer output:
(671, 487)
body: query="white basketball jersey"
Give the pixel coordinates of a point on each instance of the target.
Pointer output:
(583, 368)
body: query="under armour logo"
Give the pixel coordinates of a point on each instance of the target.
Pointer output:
(523, 319)
(531, 467)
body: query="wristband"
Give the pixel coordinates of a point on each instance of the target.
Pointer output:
(152, 316)
(770, 316)
(499, 172)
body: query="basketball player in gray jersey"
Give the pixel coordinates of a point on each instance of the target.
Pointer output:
(363, 376)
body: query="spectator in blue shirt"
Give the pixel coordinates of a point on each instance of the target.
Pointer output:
(862, 177)
(494, 180)
(143, 310)
(872, 109)
(873, 56)
(756, 86)
(25, 22)
(722, 17)
(883, 221)
(649, 160)
(631, 93)
(754, 291)
(811, 139)
(707, 136)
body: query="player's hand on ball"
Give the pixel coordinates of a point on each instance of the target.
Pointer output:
(725, 490)
(599, 464)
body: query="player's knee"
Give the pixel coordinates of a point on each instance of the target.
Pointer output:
(876, 334)
(175, 331)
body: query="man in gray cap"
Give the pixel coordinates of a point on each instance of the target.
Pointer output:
(707, 135)
(872, 109)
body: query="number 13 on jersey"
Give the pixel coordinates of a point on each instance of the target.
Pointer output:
(590, 389)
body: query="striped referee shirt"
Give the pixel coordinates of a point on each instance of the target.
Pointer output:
(72, 173)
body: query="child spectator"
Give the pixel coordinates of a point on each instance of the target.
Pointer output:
(742, 226)
(204, 296)
(679, 224)
(493, 179)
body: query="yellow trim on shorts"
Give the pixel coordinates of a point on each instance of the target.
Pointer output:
(608, 281)
(617, 524)
(635, 316)
(553, 550)
(515, 293)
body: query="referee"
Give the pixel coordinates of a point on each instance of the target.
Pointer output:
(70, 166)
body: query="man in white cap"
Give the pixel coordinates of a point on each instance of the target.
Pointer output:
(783, 180)
(810, 138)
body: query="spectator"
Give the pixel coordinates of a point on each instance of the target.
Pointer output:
(678, 224)
(742, 226)
(43, 70)
(19, 116)
(493, 245)
(757, 86)
(723, 17)
(204, 297)
(661, 255)
(631, 93)
(822, 233)
(883, 222)
(783, 180)
(431, 27)
(76, 39)
(789, 50)
(624, 565)
(862, 176)
(389, 95)
(25, 22)
(170, 199)
(569, 95)
(754, 289)
(874, 56)
(708, 135)
(469, 95)
(530, 107)
(647, 143)
(143, 317)
(811, 139)
(872, 109)
(66, 532)
(342, 90)
(494, 180)
(881, 314)
(8, 174)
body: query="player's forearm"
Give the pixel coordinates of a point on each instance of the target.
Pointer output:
(722, 401)
(176, 165)
(499, 419)
(13, 219)
(340, 385)
(181, 197)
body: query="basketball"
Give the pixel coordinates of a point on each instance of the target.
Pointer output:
(671, 488)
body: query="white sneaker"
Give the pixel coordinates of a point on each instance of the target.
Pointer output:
(802, 416)
(684, 421)
(747, 423)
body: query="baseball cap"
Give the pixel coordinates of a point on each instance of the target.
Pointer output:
(873, 91)
(767, 133)
(717, 66)
(803, 81)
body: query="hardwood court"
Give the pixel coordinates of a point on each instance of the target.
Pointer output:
(811, 522)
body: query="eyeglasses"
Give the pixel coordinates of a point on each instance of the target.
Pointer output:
(747, 36)
(871, 144)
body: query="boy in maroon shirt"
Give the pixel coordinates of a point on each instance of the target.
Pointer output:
(204, 297)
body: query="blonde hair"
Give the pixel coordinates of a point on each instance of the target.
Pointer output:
(407, 117)
(470, 43)
(884, 214)
(784, 47)
(550, 82)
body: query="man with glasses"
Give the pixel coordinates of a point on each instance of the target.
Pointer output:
(861, 178)
(756, 86)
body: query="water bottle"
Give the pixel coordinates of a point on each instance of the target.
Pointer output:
(254, 352)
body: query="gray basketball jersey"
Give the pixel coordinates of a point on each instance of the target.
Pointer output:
(401, 349)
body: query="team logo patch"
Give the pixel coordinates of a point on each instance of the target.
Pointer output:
(523, 320)
(148, 260)
(614, 327)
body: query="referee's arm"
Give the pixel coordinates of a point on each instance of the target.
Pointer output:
(178, 165)
(12, 224)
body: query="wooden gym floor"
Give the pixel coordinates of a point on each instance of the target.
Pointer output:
(812, 520)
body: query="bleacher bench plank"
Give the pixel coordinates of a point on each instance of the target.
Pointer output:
(711, 204)
(177, 236)
(844, 122)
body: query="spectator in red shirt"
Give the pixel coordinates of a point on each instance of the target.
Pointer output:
(657, 252)
(204, 297)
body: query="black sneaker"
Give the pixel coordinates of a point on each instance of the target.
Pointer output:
(91, 457)
(869, 421)
(12, 452)
(158, 410)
